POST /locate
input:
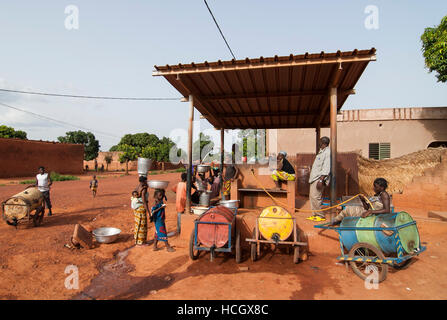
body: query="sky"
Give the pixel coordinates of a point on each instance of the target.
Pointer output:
(117, 44)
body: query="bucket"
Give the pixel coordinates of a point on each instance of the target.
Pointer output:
(409, 236)
(144, 164)
(204, 199)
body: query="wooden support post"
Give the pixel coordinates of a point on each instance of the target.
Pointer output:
(317, 139)
(333, 143)
(189, 172)
(222, 156)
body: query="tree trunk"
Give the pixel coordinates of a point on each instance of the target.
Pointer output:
(127, 167)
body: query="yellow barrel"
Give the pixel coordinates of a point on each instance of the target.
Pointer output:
(275, 220)
(20, 204)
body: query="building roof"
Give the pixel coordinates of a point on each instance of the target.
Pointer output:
(263, 93)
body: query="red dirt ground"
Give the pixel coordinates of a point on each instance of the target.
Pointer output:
(33, 260)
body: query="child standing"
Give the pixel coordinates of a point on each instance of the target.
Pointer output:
(94, 186)
(158, 217)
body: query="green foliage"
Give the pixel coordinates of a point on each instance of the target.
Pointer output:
(54, 177)
(130, 153)
(203, 146)
(146, 146)
(249, 142)
(91, 145)
(140, 140)
(59, 177)
(434, 48)
(27, 182)
(8, 132)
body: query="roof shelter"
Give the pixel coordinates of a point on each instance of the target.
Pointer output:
(295, 91)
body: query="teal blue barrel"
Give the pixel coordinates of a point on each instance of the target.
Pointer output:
(386, 240)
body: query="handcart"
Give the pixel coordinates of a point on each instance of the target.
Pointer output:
(377, 242)
(215, 231)
(275, 226)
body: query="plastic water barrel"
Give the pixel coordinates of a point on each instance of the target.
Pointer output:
(409, 236)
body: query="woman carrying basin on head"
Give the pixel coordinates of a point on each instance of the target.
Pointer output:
(140, 209)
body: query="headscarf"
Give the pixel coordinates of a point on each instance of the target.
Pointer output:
(283, 153)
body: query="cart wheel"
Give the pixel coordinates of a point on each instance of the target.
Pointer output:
(253, 248)
(296, 252)
(193, 254)
(402, 265)
(238, 246)
(360, 267)
(38, 217)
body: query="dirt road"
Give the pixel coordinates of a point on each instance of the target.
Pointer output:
(33, 260)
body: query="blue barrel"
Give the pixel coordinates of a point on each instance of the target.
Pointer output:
(408, 236)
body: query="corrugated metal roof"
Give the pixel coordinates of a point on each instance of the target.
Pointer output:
(275, 92)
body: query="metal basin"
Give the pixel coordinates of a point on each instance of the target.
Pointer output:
(157, 184)
(229, 203)
(106, 234)
(199, 210)
(203, 168)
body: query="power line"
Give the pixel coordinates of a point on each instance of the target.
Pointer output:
(86, 97)
(58, 121)
(217, 25)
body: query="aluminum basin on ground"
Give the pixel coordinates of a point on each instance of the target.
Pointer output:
(106, 234)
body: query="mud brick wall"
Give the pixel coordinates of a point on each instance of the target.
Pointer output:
(115, 165)
(21, 158)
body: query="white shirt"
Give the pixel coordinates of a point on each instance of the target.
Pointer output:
(322, 165)
(42, 182)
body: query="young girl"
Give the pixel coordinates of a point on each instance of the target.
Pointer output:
(380, 202)
(158, 217)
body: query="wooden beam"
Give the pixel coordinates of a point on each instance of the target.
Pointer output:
(192, 89)
(262, 114)
(222, 156)
(333, 144)
(275, 64)
(189, 173)
(272, 95)
(335, 79)
(317, 139)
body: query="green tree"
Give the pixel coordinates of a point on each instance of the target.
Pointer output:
(147, 145)
(91, 145)
(250, 139)
(9, 132)
(130, 153)
(108, 159)
(202, 147)
(140, 140)
(434, 48)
